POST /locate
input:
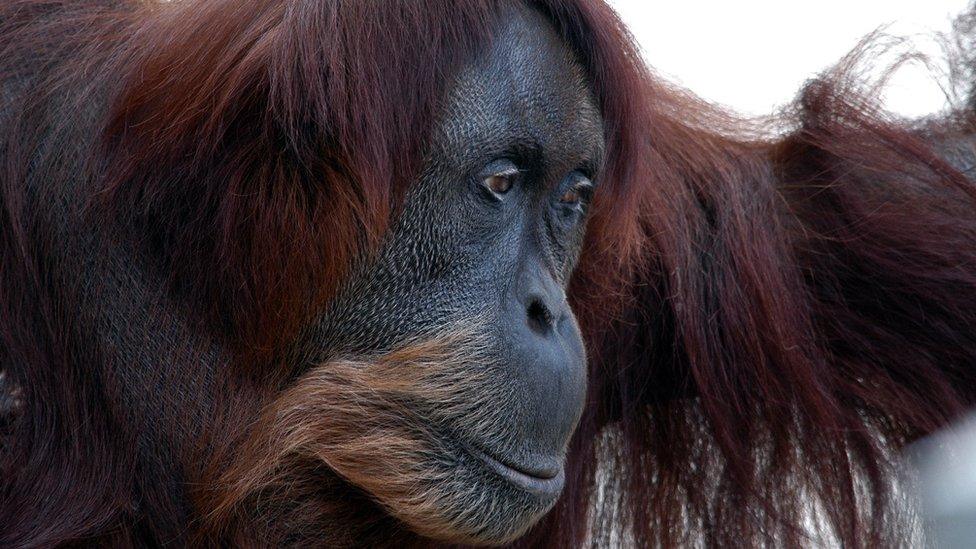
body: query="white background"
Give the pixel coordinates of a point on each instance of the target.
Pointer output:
(754, 55)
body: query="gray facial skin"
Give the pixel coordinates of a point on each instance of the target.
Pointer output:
(463, 255)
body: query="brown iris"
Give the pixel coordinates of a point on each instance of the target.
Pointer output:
(499, 183)
(575, 194)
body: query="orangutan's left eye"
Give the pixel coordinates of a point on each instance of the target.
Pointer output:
(578, 193)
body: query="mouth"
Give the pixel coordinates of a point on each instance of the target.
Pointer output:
(542, 481)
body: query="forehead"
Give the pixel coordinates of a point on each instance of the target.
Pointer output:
(526, 93)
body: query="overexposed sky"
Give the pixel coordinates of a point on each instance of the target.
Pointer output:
(754, 55)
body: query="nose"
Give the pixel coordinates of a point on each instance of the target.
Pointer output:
(545, 306)
(547, 357)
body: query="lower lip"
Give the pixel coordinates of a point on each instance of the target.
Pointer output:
(539, 486)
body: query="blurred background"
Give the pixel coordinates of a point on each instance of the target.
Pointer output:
(753, 55)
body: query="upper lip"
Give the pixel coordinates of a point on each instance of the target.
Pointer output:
(539, 480)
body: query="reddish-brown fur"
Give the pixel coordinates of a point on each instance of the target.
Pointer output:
(375, 425)
(768, 319)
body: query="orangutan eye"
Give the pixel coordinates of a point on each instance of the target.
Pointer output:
(578, 194)
(499, 183)
(572, 197)
(499, 177)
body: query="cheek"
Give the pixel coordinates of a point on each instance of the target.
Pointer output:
(565, 242)
(574, 251)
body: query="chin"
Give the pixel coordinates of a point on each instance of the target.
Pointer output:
(430, 450)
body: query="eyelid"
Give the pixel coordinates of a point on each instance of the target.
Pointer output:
(584, 184)
(499, 173)
(589, 169)
(508, 172)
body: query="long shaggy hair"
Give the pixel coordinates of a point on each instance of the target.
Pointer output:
(768, 319)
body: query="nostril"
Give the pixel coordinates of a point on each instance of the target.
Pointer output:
(539, 317)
